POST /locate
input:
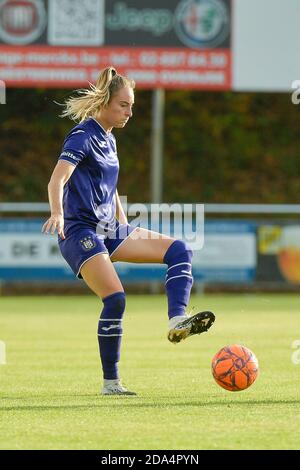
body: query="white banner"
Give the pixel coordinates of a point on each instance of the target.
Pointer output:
(227, 251)
(265, 47)
(30, 250)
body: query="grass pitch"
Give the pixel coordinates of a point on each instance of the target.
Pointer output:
(49, 388)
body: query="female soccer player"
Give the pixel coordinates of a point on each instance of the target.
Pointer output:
(92, 226)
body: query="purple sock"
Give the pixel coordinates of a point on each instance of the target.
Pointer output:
(179, 279)
(110, 334)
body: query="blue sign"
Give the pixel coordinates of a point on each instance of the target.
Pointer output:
(228, 255)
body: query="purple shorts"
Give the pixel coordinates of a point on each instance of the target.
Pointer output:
(84, 243)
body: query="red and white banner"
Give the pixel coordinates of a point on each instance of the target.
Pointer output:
(151, 67)
(159, 43)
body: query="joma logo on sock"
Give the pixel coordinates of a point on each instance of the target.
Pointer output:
(110, 327)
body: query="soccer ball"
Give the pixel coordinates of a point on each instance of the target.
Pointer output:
(235, 367)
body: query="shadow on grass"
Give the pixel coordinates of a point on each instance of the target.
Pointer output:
(131, 402)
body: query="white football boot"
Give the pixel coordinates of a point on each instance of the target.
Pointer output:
(180, 327)
(114, 387)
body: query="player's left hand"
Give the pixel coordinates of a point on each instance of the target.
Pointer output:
(55, 222)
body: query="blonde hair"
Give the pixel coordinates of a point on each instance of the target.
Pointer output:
(79, 108)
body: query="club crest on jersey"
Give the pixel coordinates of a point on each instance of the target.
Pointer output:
(87, 243)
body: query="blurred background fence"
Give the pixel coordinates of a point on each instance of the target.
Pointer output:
(246, 247)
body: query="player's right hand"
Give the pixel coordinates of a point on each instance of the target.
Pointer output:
(55, 222)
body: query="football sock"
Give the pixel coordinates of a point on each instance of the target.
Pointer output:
(179, 279)
(110, 334)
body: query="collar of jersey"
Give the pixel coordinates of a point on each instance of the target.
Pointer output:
(99, 125)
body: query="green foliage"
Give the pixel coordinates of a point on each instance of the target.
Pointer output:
(231, 147)
(218, 147)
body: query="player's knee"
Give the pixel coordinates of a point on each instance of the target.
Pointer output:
(187, 250)
(115, 304)
(179, 251)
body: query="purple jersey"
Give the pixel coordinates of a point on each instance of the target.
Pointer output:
(90, 193)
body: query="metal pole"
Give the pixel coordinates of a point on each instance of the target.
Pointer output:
(158, 105)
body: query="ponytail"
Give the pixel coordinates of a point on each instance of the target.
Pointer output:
(90, 100)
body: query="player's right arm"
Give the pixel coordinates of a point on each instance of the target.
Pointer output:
(61, 174)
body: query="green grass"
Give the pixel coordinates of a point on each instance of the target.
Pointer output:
(49, 388)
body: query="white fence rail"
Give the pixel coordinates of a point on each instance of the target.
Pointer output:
(39, 207)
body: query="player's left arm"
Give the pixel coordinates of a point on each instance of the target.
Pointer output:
(120, 214)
